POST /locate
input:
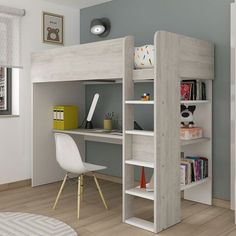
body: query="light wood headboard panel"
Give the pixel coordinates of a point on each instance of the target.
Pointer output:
(196, 58)
(100, 60)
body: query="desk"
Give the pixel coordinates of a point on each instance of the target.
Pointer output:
(95, 135)
(48, 165)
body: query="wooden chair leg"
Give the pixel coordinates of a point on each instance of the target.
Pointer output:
(82, 187)
(60, 191)
(78, 199)
(100, 191)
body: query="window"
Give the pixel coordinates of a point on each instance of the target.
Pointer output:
(5, 91)
(10, 35)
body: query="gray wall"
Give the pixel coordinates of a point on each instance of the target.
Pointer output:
(204, 19)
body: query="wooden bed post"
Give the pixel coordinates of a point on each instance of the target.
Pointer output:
(166, 131)
(128, 124)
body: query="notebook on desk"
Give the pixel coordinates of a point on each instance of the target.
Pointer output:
(115, 132)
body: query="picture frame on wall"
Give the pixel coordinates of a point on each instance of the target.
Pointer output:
(53, 28)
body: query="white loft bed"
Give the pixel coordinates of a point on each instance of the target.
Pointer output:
(58, 77)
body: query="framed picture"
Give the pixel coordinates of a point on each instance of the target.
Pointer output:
(53, 28)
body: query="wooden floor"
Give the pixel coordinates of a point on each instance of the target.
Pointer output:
(197, 219)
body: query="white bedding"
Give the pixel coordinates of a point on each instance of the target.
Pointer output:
(144, 57)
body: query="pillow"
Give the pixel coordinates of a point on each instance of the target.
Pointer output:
(144, 57)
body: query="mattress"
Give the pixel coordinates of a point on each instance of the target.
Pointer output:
(144, 57)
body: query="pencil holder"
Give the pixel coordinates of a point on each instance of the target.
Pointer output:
(107, 124)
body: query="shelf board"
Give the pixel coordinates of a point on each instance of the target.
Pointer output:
(143, 224)
(140, 132)
(139, 102)
(138, 192)
(143, 75)
(193, 141)
(194, 184)
(142, 193)
(189, 102)
(140, 163)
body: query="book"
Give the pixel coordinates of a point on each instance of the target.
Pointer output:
(65, 117)
(193, 90)
(185, 91)
(197, 167)
(183, 174)
(188, 171)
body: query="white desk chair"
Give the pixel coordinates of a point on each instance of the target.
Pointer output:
(69, 158)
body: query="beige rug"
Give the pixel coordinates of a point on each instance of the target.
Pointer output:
(24, 224)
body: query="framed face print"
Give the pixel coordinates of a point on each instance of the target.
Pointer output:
(53, 27)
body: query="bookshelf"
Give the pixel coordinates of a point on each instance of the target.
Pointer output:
(159, 149)
(201, 191)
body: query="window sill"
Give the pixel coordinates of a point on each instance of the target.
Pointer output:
(9, 116)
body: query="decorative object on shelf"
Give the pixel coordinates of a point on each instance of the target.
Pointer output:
(107, 123)
(65, 117)
(100, 27)
(145, 97)
(142, 179)
(187, 116)
(151, 183)
(144, 57)
(53, 28)
(191, 133)
(137, 126)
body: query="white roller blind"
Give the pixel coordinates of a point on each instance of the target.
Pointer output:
(10, 29)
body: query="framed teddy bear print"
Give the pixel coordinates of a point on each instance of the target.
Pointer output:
(53, 28)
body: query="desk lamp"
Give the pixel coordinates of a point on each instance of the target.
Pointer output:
(89, 124)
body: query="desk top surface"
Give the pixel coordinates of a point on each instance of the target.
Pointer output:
(93, 133)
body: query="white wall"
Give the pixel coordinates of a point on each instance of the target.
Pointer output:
(15, 134)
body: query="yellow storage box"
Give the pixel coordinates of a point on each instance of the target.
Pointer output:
(65, 117)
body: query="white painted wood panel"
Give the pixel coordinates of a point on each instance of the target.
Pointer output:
(143, 74)
(166, 131)
(202, 193)
(143, 148)
(92, 135)
(45, 96)
(92, 61)
(128, 124)
(233, 103)
(196, 58)
(143, 224)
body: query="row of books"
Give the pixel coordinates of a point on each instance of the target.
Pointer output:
(65, 117)
(193, 169)
(193, 90)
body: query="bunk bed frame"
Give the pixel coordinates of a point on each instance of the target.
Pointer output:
(58, 76)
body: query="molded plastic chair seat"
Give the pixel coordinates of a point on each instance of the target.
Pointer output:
(91, 167)
(69, 158)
